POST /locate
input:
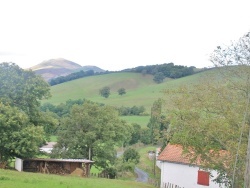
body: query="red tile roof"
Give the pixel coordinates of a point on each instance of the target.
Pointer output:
(174, 153)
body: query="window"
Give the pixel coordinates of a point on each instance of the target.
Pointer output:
(203, 178)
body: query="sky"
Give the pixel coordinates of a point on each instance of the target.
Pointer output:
(119, 34)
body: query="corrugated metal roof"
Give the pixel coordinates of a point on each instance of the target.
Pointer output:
(61, 160)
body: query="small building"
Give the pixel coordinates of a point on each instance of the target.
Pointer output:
(48, 147)
(177, 171)
(54, 166)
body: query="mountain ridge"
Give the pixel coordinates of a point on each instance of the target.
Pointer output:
(53, 68)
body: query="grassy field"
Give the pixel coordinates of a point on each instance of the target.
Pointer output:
(141, 120)
(14, 179)
(141, 90)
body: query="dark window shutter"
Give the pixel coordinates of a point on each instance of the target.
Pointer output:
(203, 178)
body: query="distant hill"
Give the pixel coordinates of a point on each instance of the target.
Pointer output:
(60, 67)
(141, 89)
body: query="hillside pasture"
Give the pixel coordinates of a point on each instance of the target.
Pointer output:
(141, 89)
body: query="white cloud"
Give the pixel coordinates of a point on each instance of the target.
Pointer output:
(115, 34)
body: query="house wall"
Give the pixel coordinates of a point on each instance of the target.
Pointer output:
(183, 176)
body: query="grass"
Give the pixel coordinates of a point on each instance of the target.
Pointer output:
(141, 120)
(53, 138)
(141, 90)
(13, 179)
(146, 164)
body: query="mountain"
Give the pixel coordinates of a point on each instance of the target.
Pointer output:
(60, 67)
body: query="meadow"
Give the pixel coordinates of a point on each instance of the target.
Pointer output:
(141, 89)
(14, 179)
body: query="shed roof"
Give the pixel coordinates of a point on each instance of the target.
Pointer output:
(61, 160)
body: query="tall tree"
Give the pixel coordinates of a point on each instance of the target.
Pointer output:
(92, 131)
(158, 124)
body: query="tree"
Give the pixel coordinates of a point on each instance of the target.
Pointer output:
(22, 89)
(105, 91)
(20, 120)
(92, 131)
(159, 77)
(131, 154)
(158, 124)
(136, 134)
(213, 115)
(121, 91)
(19, 138)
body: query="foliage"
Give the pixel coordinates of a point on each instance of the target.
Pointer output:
(146, 136)
(22, 89)
(63, 108)
(208, 117)
(19, 138)
(159, 77)
(50, 122)
(131, 154)
(134, 110)
(158, 124)
(92, 131)
(20, 118)
(212, 117)
(167, 70)
(136, 134)
(124, 166)
(72, 76)
(121, 91)
(105, 91)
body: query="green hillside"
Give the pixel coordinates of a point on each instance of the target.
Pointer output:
(141, 89)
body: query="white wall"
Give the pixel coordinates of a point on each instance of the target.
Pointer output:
(19, 164)
(183, 176)
(47, 150)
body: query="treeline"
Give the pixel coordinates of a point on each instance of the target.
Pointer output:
(74, 76)
(63, 108)
(168, 69)
(131, 111)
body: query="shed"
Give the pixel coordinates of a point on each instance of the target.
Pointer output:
(54, 166)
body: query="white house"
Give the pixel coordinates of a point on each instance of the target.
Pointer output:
(177, 171)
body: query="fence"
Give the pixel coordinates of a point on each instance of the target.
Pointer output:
(170, 185)
(153, 182)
